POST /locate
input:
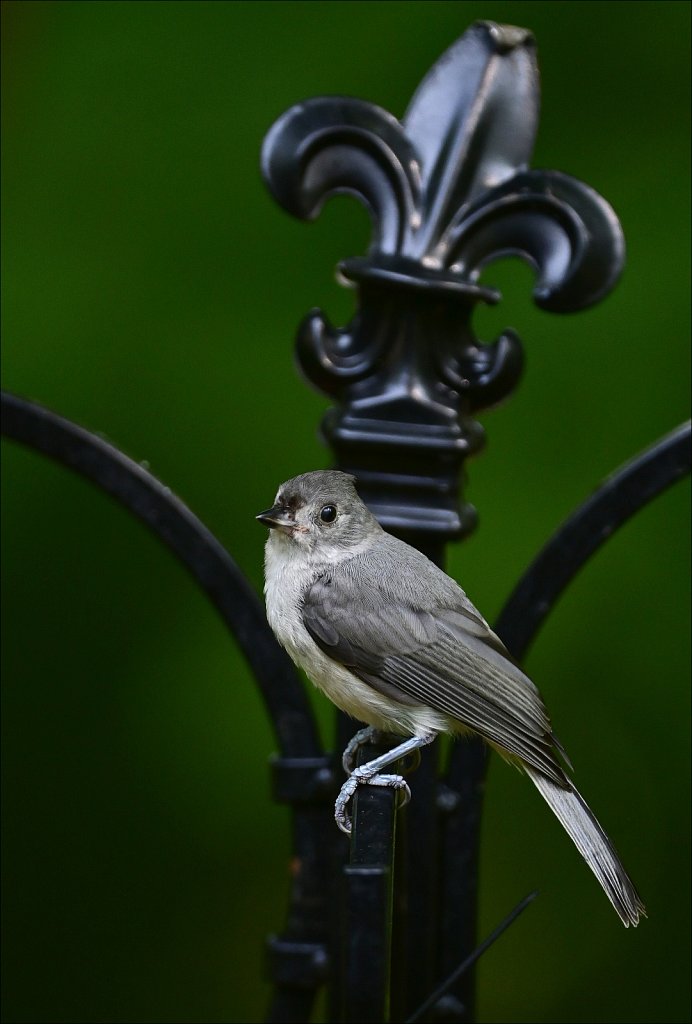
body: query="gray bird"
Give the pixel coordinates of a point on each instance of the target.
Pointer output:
(393, 641)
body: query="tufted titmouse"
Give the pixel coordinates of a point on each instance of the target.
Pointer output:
(393, 641)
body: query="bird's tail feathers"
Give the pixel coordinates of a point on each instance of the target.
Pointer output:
(581, 825)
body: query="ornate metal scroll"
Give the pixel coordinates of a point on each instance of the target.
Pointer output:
(448, 191)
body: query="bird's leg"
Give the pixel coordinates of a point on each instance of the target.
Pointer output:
(369, 774)
(367, 735)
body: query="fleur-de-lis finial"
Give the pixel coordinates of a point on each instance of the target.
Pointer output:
(448, 190)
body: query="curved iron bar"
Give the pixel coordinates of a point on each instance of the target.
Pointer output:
(199, 550)
(302, 774)
(628, 490)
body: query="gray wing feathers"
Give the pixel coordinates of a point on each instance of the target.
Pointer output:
(451, 680)
(581, 825)
(414, 636)
(429, 649)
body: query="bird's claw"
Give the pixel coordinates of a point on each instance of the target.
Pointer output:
(367, 735)
(358, 778)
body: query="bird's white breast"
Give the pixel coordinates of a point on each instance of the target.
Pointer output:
(288, 575)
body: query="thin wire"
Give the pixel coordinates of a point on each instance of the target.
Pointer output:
(471, 959)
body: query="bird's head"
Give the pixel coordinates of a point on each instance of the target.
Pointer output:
(322, 513)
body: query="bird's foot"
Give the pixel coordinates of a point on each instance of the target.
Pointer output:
(362, 776)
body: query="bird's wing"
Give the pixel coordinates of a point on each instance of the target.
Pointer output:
(437, 653)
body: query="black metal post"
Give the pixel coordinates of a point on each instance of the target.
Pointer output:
(369, 880)
(448, 191)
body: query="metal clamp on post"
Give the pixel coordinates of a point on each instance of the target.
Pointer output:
(302, 779)
(299, 964)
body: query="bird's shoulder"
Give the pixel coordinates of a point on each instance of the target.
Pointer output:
(392, 593)
(394, 570)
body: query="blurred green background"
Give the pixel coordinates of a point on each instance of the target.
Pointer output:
(151, 292)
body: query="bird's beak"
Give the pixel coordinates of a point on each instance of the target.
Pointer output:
(277, 515)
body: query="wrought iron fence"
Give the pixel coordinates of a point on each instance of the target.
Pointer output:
(448, 190)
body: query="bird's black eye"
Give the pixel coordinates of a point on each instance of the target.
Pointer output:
(328, 513)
